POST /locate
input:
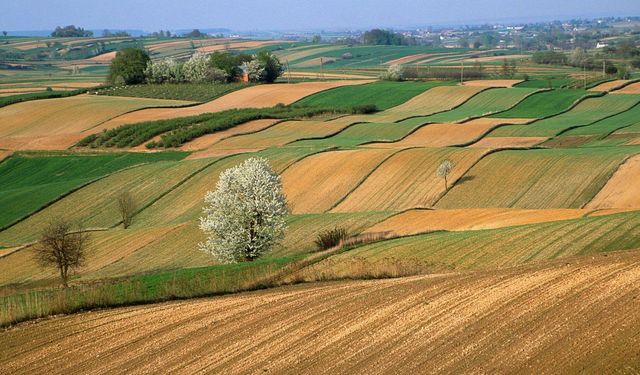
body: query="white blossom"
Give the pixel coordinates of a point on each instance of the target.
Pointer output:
(196, 69)
(255, 70)
(245, 215)
(164, 71)
(395, 72)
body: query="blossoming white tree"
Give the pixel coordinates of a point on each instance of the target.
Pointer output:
(254, 70)
(245, 215)
(165, 70)
(444, 169)
(195, 70)
(395, 72)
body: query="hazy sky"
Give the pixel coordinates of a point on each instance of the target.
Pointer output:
(291, 15)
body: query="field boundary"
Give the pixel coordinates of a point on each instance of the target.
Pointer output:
(594, 122)
(418, 127)
(606, 181)
(489, 114)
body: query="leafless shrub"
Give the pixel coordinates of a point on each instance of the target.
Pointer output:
(126, 208)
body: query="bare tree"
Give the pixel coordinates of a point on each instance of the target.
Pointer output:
(444, 169)
(63, 246)
(126, 208)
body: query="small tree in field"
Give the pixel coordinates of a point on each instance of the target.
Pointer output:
(245, 215)
(62, 246)
(126, 208)
(395, 72)
(444, 169)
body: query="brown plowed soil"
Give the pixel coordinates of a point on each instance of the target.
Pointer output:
(578, 315)
(260, 96)
(512, 142)
(493, 82)
(47, 143)
(633, 88)
(5, 154)
(421, 221)
(438, 135)
(497, 58)
(239, 45)
(104, 58)
(408, 59)
(622, 190)
(608, 86)
(209, 140)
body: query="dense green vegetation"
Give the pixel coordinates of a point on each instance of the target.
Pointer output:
(383, 95)
(128, 67)
(610, 124)
(194, 92)
(181, 130)
(30, 181)
(543, 104)
(486, 102)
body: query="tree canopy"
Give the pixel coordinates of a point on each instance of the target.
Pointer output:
(128, 67)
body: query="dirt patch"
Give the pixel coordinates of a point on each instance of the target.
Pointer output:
(542, 318)
(608, 86)
(49, 143)
(633, 88)
(493, 82)
(5, 154)
(622, 190)
(422, 221)
(260, 96)
(510, 142)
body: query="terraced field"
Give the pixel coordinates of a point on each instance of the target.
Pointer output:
(543, 104)
(408, 180)
(587, 112)
(29, 182)
(553, 178)
(24, 123)
(318, 182)
(259, 96)
(484, 104)
(452, 323)
(620, 191)
(503, 247)
(608, 125)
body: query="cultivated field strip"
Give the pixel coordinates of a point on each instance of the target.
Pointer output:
(95, 205)
(485, 103)
(544, 103)
(260, 96)
(508, 142)
(71, 115)
(622, 190)
(185, 202)
(553, 178)
(422, 221)
(585, 113)
(633, 88)
(316, 183)
(408, 180)
(495, 248)
(611, 85)
(441, 135)
(510, 321)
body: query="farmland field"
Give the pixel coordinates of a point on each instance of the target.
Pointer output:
(543, 104)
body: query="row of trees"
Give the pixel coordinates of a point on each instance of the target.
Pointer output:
(71, 31)
(386, 38)
(133, 66)
(578, 58)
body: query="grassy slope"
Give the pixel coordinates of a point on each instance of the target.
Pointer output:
(543, 104)
(27, 182)
(383, 94)
(609, 125)
(552, 178)
(486, 102)
(507, 246)
(585, 113)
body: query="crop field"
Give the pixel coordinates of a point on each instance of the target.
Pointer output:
(608, 125)
(95, 205)
(493, 82)
(620, 191)
(504, 247)
(200, 92)
(316, 183)
(585, 113)
(437, 99)
(407, 180)
(383, 95)
(423, 221)
(484, 104)
(633, 88)
(363, 133)
(28, 182)
(452, 322)
(68, 116)
(543, 104)
(209, 140)
(185, 202)
(508, 142)
(440, 135)
(611, 85)
(553, 178)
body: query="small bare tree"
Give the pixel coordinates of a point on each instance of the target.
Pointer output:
(126, 208)
(444, 169)
(63, 246)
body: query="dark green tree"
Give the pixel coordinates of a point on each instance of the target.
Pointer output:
(229, 63)
(129, 64)
(272, 66)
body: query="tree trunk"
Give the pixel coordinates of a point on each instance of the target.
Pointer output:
(64, 276)
(446, 185)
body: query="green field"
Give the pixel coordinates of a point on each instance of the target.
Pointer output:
(585, 113)
(503, 247)
(366, 132)
(543, 104)
(610, 124)
(30, 181)
(545, 178)
(193, 92)
(383, 95)
(485, 103)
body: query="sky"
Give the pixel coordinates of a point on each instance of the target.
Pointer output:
(247, 15)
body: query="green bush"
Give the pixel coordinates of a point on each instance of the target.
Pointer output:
(331, 238)
(129, 66)
(364, 109)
